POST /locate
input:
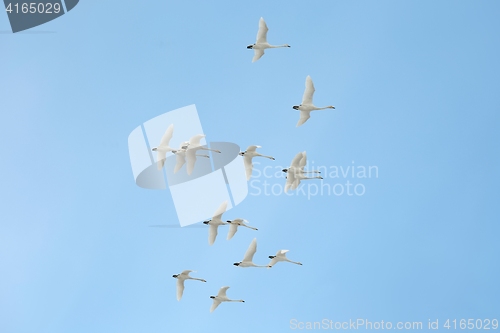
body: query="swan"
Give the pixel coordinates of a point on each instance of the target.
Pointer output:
(221, 297)
(247, 259)
(164, 147)
(261, 43)
(180, 281)
(215, 222)
(307, 103)
(233, 227)
(187, 152)
(247, 159)
(295, 172)
(281, 256)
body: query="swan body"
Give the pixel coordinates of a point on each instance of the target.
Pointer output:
(233, 227)
(247, 259)
(295, 172)
(261, 42)
(215, 222)
(307, 103)
(248, 155)
(221, 297)
(180, 281)
(281, 256)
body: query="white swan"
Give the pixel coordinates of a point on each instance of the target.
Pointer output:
(164, 147)
(307, 103)
(247, 159)
(187, 152)
(215, 222)
(261, 43)
(247, 259)
(180, 281)
(221, 297)
(281, 256)
(295, 172)
(233, 227)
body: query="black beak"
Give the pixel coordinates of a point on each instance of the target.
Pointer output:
(249, 46)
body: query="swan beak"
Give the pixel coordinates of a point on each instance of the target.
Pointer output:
(249, 46)
(295, 107)
(205, 222)
(236, 264)
(174, 275)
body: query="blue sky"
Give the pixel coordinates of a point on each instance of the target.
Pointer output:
(415, 86)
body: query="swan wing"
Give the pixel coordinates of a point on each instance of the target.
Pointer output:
(191, 160)
(296, 160)
(253, 148)
(281, 253)
(296, 183)
(222, 208)
(251, 251)
(290, 179)
(215, 304)
(304, 115)
(257, 54)
(222, 291)
(195, 140)
(212, 233)
(180, 161)
(186, 272)
(162, 155)
(180, 288)
(308, 93)
(247, 160)
(233, 227)
(303, 161)
(165, 139)
(262, 33)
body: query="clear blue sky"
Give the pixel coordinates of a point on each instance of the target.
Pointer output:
(416, 90)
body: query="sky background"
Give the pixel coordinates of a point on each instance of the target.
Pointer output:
(416, 90)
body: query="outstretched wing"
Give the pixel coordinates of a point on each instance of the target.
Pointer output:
(180, 288)
(222, 291)
(304, 115)
(165, 139)
(222, 208)
(281, 253)
(290, 179)
(303, 161)
(251, 251)
(180, 161)
(257, 54)
(212, 233)
(215, 304)
(233, 227)
(296, 160)
(262, 33)
(253, 148)
(161, 156)
(308, 93)
(247, 160)
(195, 140)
